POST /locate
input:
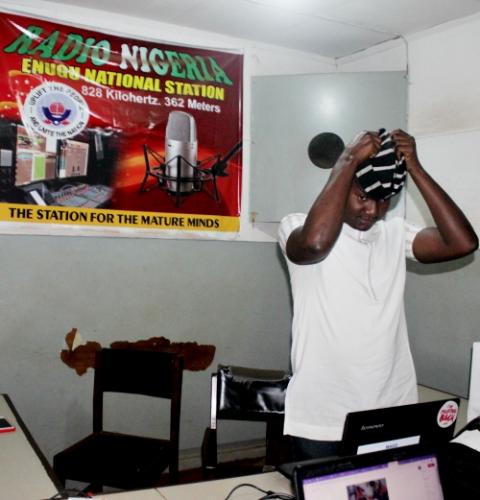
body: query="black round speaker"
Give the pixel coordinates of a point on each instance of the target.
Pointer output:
(324, 149)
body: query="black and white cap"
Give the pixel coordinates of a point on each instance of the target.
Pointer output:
(383, 175)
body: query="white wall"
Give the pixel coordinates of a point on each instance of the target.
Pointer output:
(445, 94)
(444, 102)
(444, 111)
(234, 295)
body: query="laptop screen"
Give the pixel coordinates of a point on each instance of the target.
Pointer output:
(385, 428)
(412, 478)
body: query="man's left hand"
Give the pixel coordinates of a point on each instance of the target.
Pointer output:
(405, 145)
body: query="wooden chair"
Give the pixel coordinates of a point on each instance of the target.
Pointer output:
(122, 460)
(241, 393)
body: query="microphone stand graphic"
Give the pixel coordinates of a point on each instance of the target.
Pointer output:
(197, 181)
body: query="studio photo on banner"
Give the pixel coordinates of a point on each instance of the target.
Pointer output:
(108, 132)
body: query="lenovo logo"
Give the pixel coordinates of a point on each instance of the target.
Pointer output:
(370, 427)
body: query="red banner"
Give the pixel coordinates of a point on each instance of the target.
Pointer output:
(109, 131)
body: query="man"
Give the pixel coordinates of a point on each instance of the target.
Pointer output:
(350, 349)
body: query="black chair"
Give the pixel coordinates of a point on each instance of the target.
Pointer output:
(241, 393)
(122, 460)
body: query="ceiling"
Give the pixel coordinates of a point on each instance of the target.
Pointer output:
(332, 28)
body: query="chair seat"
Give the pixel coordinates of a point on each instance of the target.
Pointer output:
(114, 459)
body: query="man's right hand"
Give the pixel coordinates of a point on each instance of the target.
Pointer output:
(364, 145)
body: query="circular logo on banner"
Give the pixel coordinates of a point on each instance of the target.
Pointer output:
(55, 110)
(447, 414)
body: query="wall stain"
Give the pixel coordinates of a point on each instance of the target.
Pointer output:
(196, 357)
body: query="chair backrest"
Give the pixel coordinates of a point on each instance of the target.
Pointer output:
(242, 393)
(134, 371)
(249, 393)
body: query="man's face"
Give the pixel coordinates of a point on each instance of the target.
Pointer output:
(361, 212)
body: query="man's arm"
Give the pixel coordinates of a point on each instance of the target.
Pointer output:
(313, 241)
(453, 235)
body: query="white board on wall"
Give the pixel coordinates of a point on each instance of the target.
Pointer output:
(288, 111)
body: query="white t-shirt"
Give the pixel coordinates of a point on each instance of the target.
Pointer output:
(350, 349)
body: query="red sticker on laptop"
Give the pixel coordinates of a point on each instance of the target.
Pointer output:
(447, 414)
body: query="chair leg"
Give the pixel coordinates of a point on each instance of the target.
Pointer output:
(277, 446)
(58, 472)
(61, 479)
(173, 475)
(209, 453)
(93, 488)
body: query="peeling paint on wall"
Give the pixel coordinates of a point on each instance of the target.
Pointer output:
(80, 355)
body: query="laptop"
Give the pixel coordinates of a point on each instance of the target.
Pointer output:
(410, 472)
(432, 422)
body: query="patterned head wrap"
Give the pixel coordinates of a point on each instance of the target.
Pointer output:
(383, 175)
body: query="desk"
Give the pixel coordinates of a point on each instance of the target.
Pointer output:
(24, 471)
(209, 490)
